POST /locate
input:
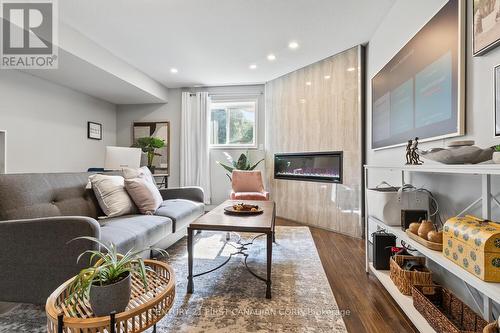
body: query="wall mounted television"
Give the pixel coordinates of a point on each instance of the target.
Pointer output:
(420, 92)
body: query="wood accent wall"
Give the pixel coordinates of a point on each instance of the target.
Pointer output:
(319, 108)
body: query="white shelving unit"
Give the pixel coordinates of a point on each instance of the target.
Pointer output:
(490, 291)
(404, 302)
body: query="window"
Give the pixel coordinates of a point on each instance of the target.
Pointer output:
(232, 123)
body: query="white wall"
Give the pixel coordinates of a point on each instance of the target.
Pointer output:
(453, 192)
(47, 125)
(220, 185)
(171, 111)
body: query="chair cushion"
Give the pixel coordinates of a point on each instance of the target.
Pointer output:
(181, 211)
(262, 196)
(135, 231)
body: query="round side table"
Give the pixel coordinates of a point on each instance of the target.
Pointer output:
(144, 310)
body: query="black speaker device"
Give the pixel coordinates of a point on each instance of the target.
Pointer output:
(410, 216)
(382, 243)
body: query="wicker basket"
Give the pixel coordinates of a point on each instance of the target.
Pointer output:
(404, 280)
(491, 328)
(445, 312)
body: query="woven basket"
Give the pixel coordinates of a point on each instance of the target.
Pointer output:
(491, 328)
(405, 280)
(445, 312)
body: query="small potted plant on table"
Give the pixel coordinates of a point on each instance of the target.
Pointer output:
(149, 145)
(496, 154)
(107, 283)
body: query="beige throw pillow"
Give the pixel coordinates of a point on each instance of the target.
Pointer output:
(111, 195)
(129, 173)
(145, 194)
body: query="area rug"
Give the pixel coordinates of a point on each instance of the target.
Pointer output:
(231, 299)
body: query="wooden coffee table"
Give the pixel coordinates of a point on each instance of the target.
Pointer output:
(218, 220)
(145, 309)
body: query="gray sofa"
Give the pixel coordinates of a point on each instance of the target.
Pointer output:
(40, 213)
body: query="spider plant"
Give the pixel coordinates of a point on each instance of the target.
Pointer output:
(111, 267)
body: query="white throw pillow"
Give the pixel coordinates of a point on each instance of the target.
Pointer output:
(111, 195)
(129, 173)
(145, 194)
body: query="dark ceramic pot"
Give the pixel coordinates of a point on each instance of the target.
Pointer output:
(109, 298)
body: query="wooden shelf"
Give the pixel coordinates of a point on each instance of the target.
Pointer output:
(404, 302)
(488, 288)
(473, 169)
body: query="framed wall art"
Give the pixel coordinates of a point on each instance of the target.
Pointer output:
(486, 26)
(94, 131)
(420, 92)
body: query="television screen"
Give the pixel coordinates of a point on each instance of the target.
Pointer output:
(418, 93)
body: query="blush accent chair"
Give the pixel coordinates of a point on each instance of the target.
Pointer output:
(248, 185)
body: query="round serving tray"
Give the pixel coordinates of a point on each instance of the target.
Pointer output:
(230, 210)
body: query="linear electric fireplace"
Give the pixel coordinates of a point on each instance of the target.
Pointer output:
(323, 167)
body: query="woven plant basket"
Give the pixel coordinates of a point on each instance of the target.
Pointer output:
(491, 328)
(405, 280)
(445, 312)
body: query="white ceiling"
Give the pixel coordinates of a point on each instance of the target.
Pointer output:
(213, 42)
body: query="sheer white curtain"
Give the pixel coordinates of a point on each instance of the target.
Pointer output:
(195, 158)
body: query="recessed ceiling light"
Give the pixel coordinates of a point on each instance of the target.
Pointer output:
(293, 45)
(351, 69)
(253, 66)
(174, 70)
(327, 77)
(271, 57)
(308, 83)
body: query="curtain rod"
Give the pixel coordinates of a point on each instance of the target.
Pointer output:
(232, 94)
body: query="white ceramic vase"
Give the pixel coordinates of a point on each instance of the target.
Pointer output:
(496, 157)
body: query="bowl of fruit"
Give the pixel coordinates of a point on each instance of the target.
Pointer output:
(243, 209)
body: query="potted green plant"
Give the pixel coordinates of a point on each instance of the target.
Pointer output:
(496, 154)
(107, 283)
(243, 163)
(149, 145)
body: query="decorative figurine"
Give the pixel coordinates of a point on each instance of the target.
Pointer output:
(414, 151)
(408, 152)
(412, 156)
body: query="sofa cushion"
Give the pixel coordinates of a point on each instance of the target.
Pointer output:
(111, 195)
(181, 211)
(135, 231)
(27, 196)
(145, 194)
(129, 173)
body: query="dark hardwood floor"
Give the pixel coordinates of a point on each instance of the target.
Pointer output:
(371, 308)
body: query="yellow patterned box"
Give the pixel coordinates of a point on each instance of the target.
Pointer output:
(473, 244)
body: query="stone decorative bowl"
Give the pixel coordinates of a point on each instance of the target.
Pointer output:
(458, 153)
